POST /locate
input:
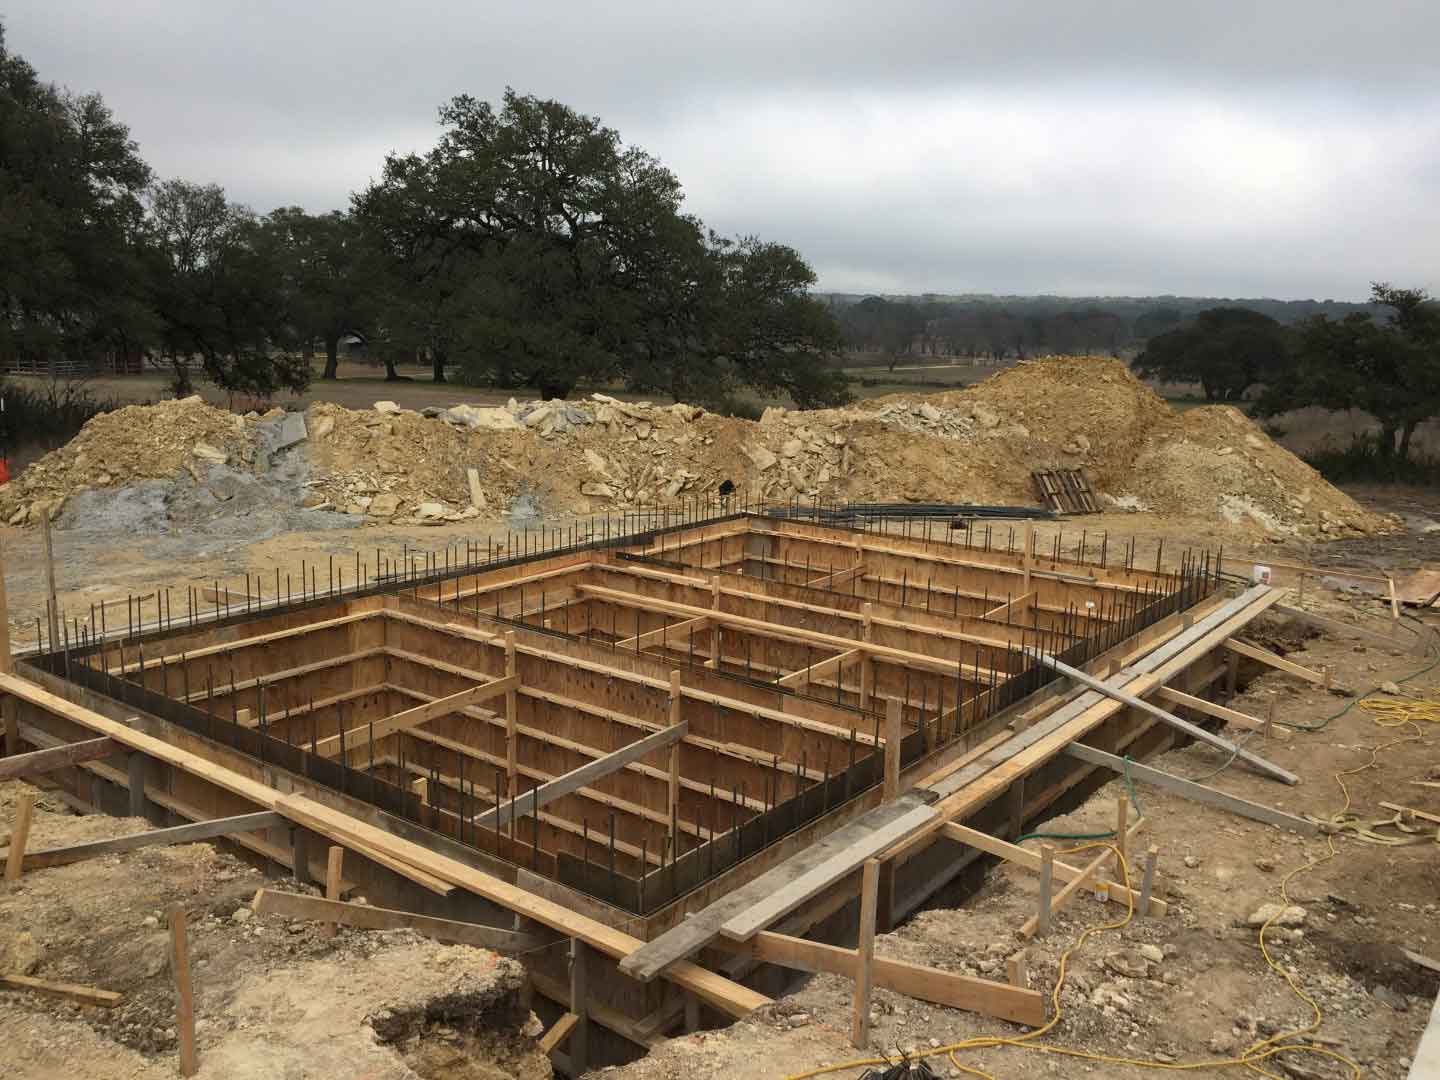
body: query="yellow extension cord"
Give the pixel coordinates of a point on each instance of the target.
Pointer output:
(1387, 713)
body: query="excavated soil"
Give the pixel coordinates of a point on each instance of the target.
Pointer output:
(187, 463)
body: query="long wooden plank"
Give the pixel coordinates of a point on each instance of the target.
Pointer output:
(791, 633)
(820, 668)
(420, 714)
(697, 931)
(730, 997)
(664, 635)
(179, 834)
(1191, 790)
(578, 778)
(1220, 712)
(557, 1033)
(992, 998)
(261, 795)
(86, 995)
(1254, 760)
(295, 906)
(1066, 894)
(1279, 663)
(1031, 860)
(746, 924)
(58, 757)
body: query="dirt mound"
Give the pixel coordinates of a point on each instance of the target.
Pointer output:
(537, 458)
(115, 449)
(1216, 461)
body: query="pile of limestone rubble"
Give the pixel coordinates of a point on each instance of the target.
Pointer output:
(979, 445)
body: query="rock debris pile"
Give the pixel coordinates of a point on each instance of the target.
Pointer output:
(979, 444)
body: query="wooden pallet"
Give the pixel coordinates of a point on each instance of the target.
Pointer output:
(1066, 491)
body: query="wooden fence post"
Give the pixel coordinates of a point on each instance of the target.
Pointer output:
(185, 1009)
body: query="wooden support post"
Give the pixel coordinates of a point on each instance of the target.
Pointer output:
(1029, 555)
(1017, 808)
(20, 834)
(185, 1009)
(579, 1005)
(892, 749)
(332, 883)
(1147, 882)
(512, 738)
(135, 779)
(50, 590)
(6, 663)
(672, 805)
(865, 954)
(1047, 884)
(1232, 674)
(867, 662)
(1017, 970)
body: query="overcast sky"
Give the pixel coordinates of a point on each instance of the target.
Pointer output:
(1285, 148)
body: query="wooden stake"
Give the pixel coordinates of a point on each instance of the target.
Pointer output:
(86, 995)
(20, 834)
(332, 883)
(185, 1010)
(865, 953)
(1147, 883)
(1018, 970)
(512, 738)
(673, 798)
(892, 749)
(1047, 881)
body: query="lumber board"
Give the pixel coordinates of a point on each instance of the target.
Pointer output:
(990, 997)
(697, 931)
(1031, 860)
(730, 997)
(57, 757)
(1421, 814)
(179, 834)
(1191, 790)
(1220, 712)
(557, 1033)
(414, 717)
(261, 795)
(575, 779)
(1068, 892)
(783, 632)
(1254, 760)
(819, 668)
(665, 634)
(298, 906)
(1279, 663)
(86, 995)
(780, 902)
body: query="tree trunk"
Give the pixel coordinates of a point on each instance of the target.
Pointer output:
(390, 374)
(1387, 440)
(1405, 433)
(437, 356)
(332, 358)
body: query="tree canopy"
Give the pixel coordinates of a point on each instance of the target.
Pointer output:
(1389, 368)
(1227, 350)
(537, 249)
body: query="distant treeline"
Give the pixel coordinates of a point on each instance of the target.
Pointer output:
(1014, 327)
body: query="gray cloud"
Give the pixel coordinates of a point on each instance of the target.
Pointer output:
(1282, 148)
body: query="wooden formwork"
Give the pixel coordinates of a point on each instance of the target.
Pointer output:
(796, 680)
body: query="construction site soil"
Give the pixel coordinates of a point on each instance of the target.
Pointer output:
(148, 469)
